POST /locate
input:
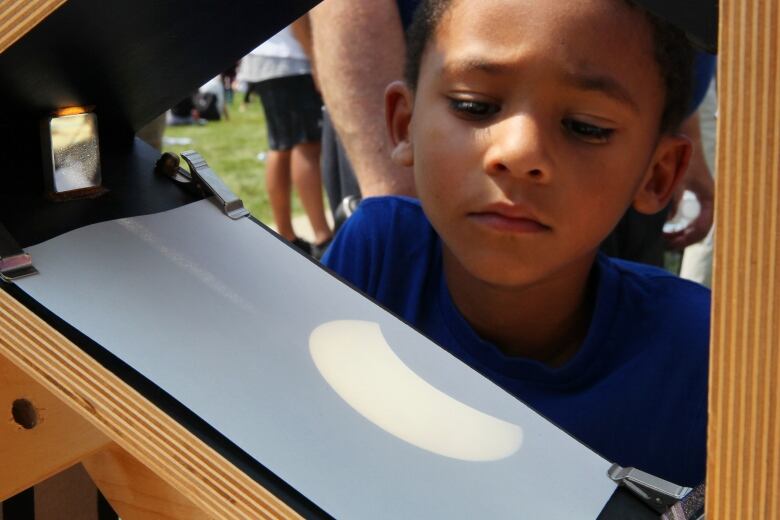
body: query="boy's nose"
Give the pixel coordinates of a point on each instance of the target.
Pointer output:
(517, 148)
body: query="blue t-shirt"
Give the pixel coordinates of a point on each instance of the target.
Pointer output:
(635, 392)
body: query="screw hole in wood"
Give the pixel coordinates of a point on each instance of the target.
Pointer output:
(24, 414)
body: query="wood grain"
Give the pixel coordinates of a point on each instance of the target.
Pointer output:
(134, 491)
(18, 17)
(743, 473)
(162, 445)
(60, 439)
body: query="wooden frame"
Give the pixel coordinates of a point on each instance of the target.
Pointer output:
(17, 17)
(184, 474)
(743, 475)
(126, 430)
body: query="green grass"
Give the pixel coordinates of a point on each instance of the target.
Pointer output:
(231, 147)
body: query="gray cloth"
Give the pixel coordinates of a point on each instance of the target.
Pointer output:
(337, 173)
(270, 67)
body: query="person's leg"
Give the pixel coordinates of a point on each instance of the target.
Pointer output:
(307, 178)
(279, 186)
(278, 175)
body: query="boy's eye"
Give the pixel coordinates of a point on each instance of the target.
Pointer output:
(587, 132)
(470, 109)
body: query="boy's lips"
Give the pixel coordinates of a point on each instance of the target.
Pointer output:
(509, 218)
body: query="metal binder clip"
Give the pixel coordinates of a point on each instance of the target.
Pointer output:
(657, 493)
(168, 166)
(14, 262)
(204, 175)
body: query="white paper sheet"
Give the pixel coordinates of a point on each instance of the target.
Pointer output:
(222, 315)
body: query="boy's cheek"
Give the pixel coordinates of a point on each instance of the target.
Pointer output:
(439, 166)
(447, 157)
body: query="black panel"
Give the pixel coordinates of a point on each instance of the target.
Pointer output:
(623, 505)
(20, 506)
(134, 59)
(105, 511)
(132, 189)
(131, 60)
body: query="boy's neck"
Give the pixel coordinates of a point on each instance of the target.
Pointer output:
(546, 321)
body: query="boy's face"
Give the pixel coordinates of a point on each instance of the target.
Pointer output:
(533, 128)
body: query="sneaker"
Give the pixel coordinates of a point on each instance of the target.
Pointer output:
(318, 250)
(302, 245)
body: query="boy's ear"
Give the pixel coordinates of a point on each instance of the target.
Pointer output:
(399, 102)
(666, 170)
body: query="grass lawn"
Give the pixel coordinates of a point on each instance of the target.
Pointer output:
(231, 148)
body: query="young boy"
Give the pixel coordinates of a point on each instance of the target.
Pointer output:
(531, 127)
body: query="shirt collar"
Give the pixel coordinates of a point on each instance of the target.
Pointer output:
(584, 366)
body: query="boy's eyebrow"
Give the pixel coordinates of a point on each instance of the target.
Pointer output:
(578, 79)
(468, 64)
(601, 83)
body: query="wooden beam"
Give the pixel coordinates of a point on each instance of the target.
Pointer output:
(169, 450)
(134, 491)
(18, 17)
(40, 439)
(743, 473)
(39, 435)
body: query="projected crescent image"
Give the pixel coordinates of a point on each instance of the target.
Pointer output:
(356, 361)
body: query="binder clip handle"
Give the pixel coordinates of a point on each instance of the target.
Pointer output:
(655, 492)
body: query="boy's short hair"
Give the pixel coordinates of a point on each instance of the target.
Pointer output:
(673, 52)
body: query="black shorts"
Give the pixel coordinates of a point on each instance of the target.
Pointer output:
(293, 111)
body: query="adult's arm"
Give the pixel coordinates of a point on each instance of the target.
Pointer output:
(301, 29)
(358, 50)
